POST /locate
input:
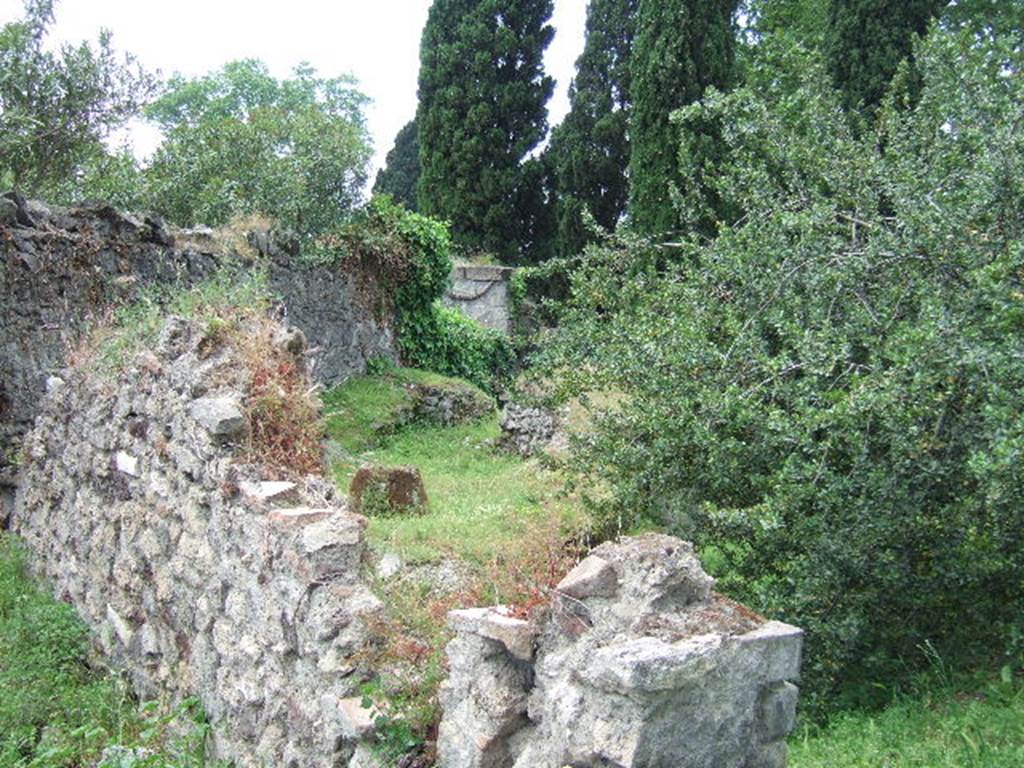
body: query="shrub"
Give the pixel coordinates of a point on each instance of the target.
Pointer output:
(405, 259)
(446, 340)
(827, 395)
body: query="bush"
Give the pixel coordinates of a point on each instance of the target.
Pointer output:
(827, 396)
(446, 340)
(406, 258)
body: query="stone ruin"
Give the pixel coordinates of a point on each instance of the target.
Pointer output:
(62, 270)
(199, 573)
(483, 292)
(637, 664)
(204, 574)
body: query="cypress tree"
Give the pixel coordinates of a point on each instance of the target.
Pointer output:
(482, 109)
(401, 171)
(867, 40)
(589, 150)
(681, 48)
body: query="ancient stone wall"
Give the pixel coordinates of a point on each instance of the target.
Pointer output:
(61, 270)
(483, 293)
(200, 574)
(203, 573)
(638, 664)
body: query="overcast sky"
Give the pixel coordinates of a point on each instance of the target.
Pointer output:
(375, 40)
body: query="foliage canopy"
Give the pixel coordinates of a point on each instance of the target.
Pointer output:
(56, 108)
(239, 141)
(590, 148)
(866, 41)
(682, 47)
(482, 97)
(400, 175)
(827, 396)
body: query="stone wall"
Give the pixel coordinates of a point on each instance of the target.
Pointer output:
(638, 664)
(61, 270)
(200, 573)
(204, 573)
(483, 293)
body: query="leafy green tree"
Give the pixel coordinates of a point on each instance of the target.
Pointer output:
(988, 18)
(482, 97)
(239, 141)
(807, 20)
(866, 41)
(682, 47)
(589, 150)
(401, 172)
(827, 396)
(57, 107)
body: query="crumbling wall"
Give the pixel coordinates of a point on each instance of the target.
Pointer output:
(638, 664)
(61, 270)
(483, 292)
(200, 573)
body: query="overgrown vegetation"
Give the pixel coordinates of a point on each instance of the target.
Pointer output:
(827, 395)
(59, 711)
(233, 307)
(496, 532)
(481, 501)
(406, 260)
(221, 302)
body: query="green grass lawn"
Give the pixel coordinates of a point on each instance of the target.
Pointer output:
(482, 502)
(943, 726)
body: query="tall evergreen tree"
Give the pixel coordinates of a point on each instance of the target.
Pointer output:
(482, 97)
(401, 171)
(866, 41)
(589, 150)
(681, 48)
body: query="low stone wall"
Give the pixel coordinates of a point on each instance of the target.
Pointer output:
(483, 293)
(61, 270)
(199, 573)
(638, 664)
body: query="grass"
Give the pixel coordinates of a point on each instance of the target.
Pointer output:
(56, 710)
(481, 501)
(942, 725)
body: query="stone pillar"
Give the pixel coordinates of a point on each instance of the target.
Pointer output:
(638, 664)
(483, 293)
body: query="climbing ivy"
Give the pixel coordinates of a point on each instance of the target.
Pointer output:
(406, 258)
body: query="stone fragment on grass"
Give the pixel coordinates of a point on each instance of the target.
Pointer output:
(389, 565)
(527, 430)
(385, 491)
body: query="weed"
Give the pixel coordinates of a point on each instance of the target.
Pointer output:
(221, 301)
(283, 407)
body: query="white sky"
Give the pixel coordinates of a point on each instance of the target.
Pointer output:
(375, 40)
